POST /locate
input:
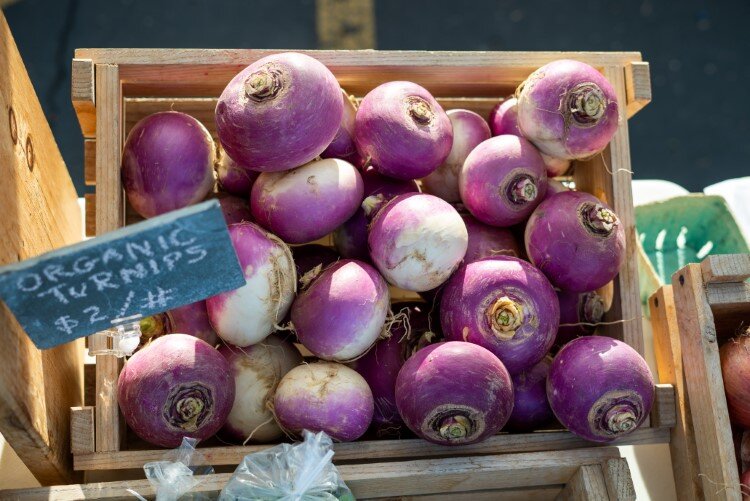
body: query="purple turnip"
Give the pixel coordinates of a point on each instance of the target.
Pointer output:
(568, 110)
(599, 388)
(167, 163)
(576, 240)
(531, 410)
(505, 305)
(417, 241)
(343, 146)
(257, 371)
(403, 130)
(408, 332)
(504, 118)
(503, 180)
(553, 187)
(249, 314)
(350, 238)
(307, 203)
(192, 319)
(280, 112)
(454, 393)
(177, 386)
(233, 178)
(324, 396)
(469, 129)
(235, 209)
(488, 241)
(555, 166)
(340, 315)
(579, 310)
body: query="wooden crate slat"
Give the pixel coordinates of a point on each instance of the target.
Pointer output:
(39, 213)
(668, 354)
(89, 162)
(638, 86)
(82, 430)
(726, 268)
(380, 449)
(618, 479)
(109, 216)
(728, 296)
(587, 484)
(82, 93)
(90, 214)
(700, 356)
(663, 414)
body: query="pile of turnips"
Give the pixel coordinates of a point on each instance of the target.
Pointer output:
(417, 199)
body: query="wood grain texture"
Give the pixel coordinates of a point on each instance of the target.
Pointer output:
(638, 86)
(668, 353)
(663, 414)
(89, 162)
(404, 478)
(380, 449)
(587, 484)
(90, 213)
(726, 268)
(82, 430)
(39, 213)
(345, 24)
(700, 357)
(547, 493)
(608, 177)
(618, 479)
(82, 93)
(109, 216)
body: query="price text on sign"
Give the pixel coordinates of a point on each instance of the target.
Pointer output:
(149, 267)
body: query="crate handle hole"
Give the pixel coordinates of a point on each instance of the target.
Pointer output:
(682, 280)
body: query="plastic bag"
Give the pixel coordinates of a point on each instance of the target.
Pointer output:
(289, 472)
(173, 477)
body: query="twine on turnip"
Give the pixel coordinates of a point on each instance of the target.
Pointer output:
(595, 324)
(609, 171)
(249, 437)
(725, 487)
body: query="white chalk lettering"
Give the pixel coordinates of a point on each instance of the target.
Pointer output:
(102, 281)
(66, 324)
(196, 249)
(143, 248)
(154, 266)
(111, 254)
(177, 242)
(52, 271)
(157, 300)
(125, 306)
(77, 294)
(162, 242)
(94, 317)
(24, 285)
(87, 266)
(138, 271)
(55, 291)
(171, 258)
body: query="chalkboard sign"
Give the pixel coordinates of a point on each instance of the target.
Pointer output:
(146, 268)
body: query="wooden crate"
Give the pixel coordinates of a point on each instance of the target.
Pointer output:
(702, 308)
(114, 88)
(587, 474)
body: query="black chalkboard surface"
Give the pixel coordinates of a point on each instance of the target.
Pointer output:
(149, 267)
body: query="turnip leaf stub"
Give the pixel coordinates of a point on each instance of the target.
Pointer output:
(146, 268)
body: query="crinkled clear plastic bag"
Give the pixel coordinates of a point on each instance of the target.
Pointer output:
(173, 477)
(289, 472)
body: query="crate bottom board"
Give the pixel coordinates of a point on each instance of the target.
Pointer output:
(378, 449)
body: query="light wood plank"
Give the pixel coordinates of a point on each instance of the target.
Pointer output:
(728, 296)
(638, 86)
(89, 162)
(345, 24)
(608, 177)
(618, 480)
(668, 355)
(109, 216)
(82, 430)
(663, 414)
(82, 93)
(380, 449)
(547, 493)
(405, 478)
(587, 484)
(40, 212)
(700, 356)
(726, 268)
